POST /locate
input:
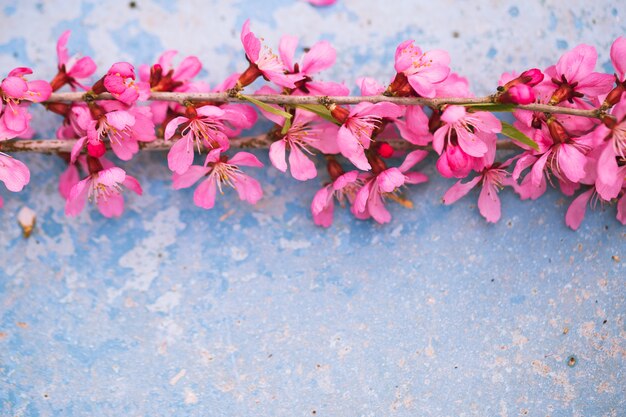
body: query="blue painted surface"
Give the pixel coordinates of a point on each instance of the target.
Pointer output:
(173, 310)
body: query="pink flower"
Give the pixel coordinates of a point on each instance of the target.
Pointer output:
(120, 81)
(13, 173)
(71, 70)
(369, 200)
(611, 166)
(303, 135)
(573, 76)
(465, 141)
(318, 58)
(322, 2)
(422, 70)
(357, 127)
(220, 171)
(341, 189)
(162, 76)
(103, 187)
(14, 91)
(124, 129)
(492, 179)
(205, 126)
(263, 62)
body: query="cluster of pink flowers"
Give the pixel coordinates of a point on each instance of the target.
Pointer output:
(585, 157)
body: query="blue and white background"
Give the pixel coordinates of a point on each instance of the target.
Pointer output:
(253, 310)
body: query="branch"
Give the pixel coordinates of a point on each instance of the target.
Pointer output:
(53, 146)
(295, 100)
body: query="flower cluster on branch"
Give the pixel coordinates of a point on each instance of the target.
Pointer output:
(569, 130)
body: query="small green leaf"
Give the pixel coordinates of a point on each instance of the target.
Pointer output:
(492, 107)
(286, 127)
(266, 107)
(511, 132)
(320, 110)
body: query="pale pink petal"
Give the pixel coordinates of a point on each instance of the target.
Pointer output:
(120, 119)
(360, 200)
(572, 162)
(77, 197)
(415, 178)
(188, 68)
(83, 68)
(618, 56)
(489, 203)
(459, 190)
(577, 63)
(277, 155)
(210, 111)
(122, 69)
(352, 149)
(248, 188)
(38, 91)
(470, 143)
(124, 148)
(422, 86)
(390, 179)
(287, 50)
(412, 159)
(14, 87)
(251, 44)
(112, 205)
(13, 173)
(77, 149)
(133, 184)
(608, 184)
(62, 54)
(16, 119)
(621, 209)
(69, 178)
(204, 196)
(322, 208)
(189, 177)
(321, 56)
(595, 84)
(301, 167)
(245, 159)
(345, 179)
(576, 211)
(111, 176)
(536, 173)
(377, 209)
(180, 156)
(172, 126)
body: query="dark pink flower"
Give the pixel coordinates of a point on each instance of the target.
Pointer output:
(263, 62)
(102, 187)
(120, 81)
(492, 180)
(343, 188)
(318, 58)
(206, 126)
(305, 133)
(15, 91)
(358, 125)
(219, 171)
(421, 70)
(573, 76)
(71, 70)
(369, 200)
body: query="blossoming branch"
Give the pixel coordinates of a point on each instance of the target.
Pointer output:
(569, 130)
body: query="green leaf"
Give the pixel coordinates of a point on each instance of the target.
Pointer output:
(492, 107)
(320, 110)
(266, 107)
(511, 132)
(286, 127)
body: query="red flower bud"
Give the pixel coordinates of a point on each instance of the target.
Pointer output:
(385, 150)
(96, 150)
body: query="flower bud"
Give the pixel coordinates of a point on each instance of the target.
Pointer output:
(385, 150)
(557, 131)
(96, 150)
(518, 94)
(531, 77)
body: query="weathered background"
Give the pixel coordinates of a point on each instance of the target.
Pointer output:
(173, 310)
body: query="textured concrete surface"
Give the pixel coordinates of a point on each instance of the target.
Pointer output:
(173, 310)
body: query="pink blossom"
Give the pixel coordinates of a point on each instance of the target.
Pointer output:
(13, 173)
(104, 188)
(573, 76)
(422, 70)
(343, 188)
(263, 62)
(205, 126)
(357, 127)
(369, 200)
(611, 167)
(492, 180)
(120, 81)
(318, 58)
(220, 171)
(322, 2)
(15, 91)
(464, 139)
(303, 135)
(71, 70)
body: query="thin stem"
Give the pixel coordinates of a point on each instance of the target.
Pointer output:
(295, 100)
(52, 146)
